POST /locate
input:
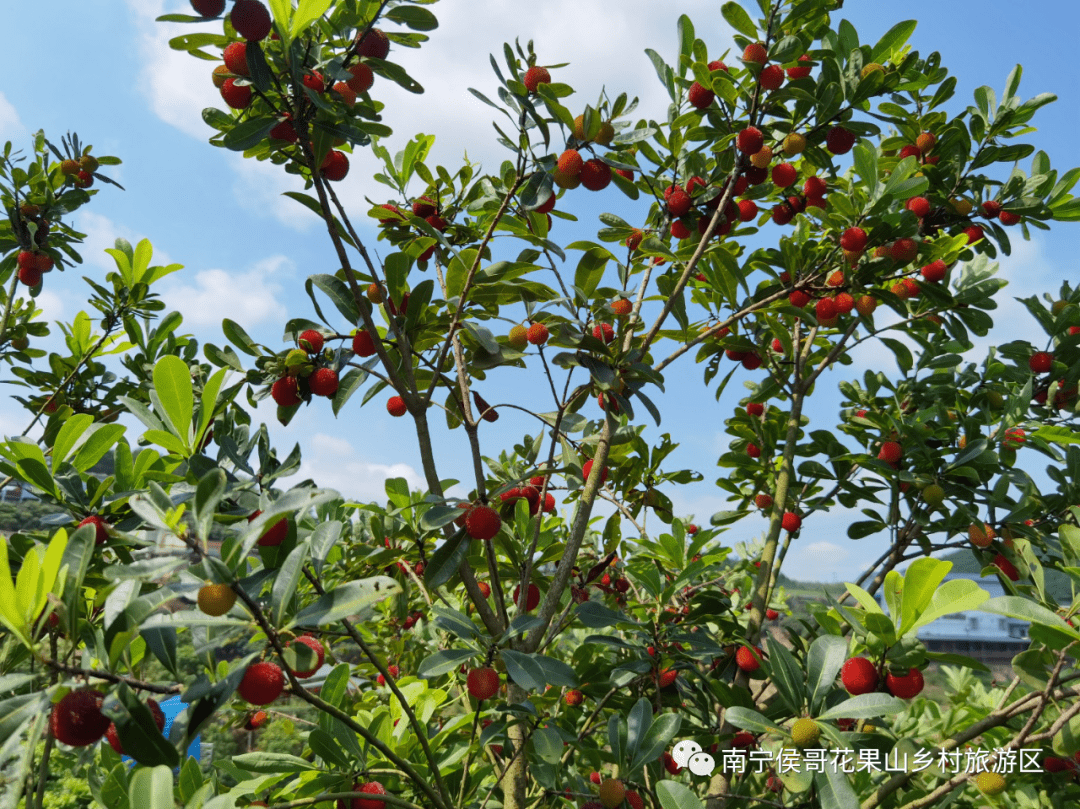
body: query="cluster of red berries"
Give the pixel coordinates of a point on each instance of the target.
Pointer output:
(288, 390)
(32, 265)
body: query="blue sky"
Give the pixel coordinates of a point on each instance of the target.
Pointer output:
(105, 71)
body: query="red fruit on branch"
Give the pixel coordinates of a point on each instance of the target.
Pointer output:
(839, 140)
(251, 20)
(1041, 362)
(906, 686)
(859, 676)
(750, 140)
(791, 522)
(532, 599)
(482, 522)
(77, 720)
(101, 528)
(853, 240)
(482, 683)
(317, 648)
(535, 76)
(755, 52)
(374, 44)
(749, 659)
(262, 683)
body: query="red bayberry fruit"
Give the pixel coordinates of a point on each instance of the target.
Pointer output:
(285, 131)
(791, 521)
(251, 20)
(537, 334)
(335, 165)
(374, 44)
(208, 8)
(595, 174)
(113, 737)
(750, 140)
(235, 56)
(798, 299)
(1006, 567)
(763, 501)
(784, 175)
(586, 471)
(904, 251)
(905, 686)
(891, 452)
(799, 72)
(973, 233)
(362, 344)
(859, 676)
(815, 187)
(362, 78)
(934, 272)
(236, 96)
(317, 648)
(679, 203)
(603, 332)
(920, 206)
(783, 213)
(262, 683)
(285, 392)
(748, 210)
(771, 77)
(839, 140)
(275, 534)
(532, 600)
(853, 240)
(825, 309)
(101, 528)
(482, 522)
(535, 76)
(747, 660)
(311, 341)
(1041, 362)
(755, 52)
(1009, 218)
(991, 209)
(77, 720)
(700, 96)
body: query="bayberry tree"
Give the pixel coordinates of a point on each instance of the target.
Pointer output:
(546, 635)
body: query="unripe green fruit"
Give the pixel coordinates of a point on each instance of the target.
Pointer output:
(934, 495)
(990, 783)
(296, 363)
(805, 732)
(89, 163)
(518, 338)
(995, 399)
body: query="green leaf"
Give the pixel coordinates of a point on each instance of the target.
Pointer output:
(1027, 610)
(523, 670)
(238, 337)
(659, 737)
(956, 595)
(338, 293)
(414, 17)
(920, 582)
(152, 788)
(172, 382)
(823, 661)
(306, 12)
(444, 662)
(637, 725)
(865, 706)
(738, 19)
(285, 584)
(446, 559)
(17, 711)
(748, 719)
(673, 795)
(786, 674)
(346, 600)
(893, 41)
(69, 434)
(271, 763)
(250, 133)
(834, 790)
(865, 157)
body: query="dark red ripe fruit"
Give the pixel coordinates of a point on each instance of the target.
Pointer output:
(236, 96)
(746, 660)
(235, 57)
(395, 406)
(799, 72)
(784, 175)
(362, 344)
(751, 362)
(1041, 362)
(1055, 764)
(906, 686)
(700, 96)
(755, 52)
(973, 233)
(595, 174)
(324, 382)
(77, 720)
(374, 44)
(755, 409)
(101, 528)
(482, 522)
(671, 765)
(1009, 218)
(910, 151)
(317, 648)
(262, 683)
(285, 131)
(284, 392)
(423, 207)
(756, 176)
(815, 187)
(537, 334)
(743, 739)
(859, 676)
(532, 600)
(667, 677)
(208, 8)
(750, 140)
(772, 615)
(113, 737)
(362, 78)
(920, 206)
(991, 209)
(853, 240)
(251, 20)
(934, 272)
(314, 82)
(679, 203)
(798, 299)
(535, 76)
(29, 276)
(771, 77)
(791, 521)
(370, 788)
(311, 341)
(1006, 567)
(904, 251)
(748, 210)
(783, 213)
(825, 309)
(586, 470)
(604, 332)
(335, 165)
(275, 534)
(839, 140)
(482, 683)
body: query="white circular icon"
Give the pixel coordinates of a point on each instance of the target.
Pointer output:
(702, 764)
(683, 750)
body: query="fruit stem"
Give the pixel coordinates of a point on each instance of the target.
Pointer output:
(7, 306)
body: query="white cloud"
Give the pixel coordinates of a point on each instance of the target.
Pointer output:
(10, 125)
(248, 297)
(333, 462)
